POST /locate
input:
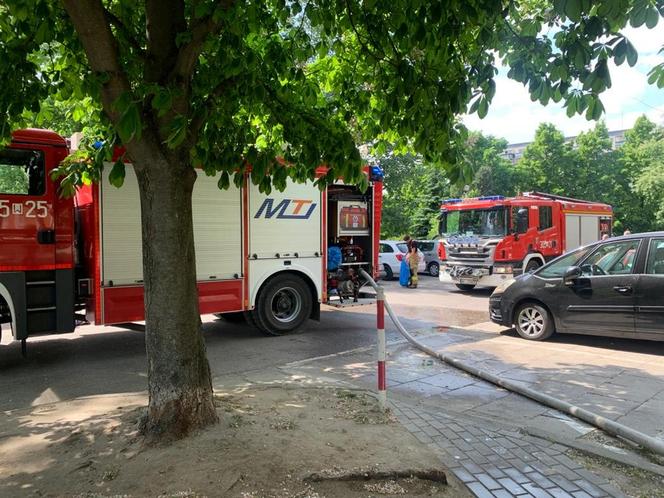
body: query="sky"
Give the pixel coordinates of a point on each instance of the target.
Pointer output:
(513, 116)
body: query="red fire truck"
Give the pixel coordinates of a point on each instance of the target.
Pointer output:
(486, 240)
(260, 256)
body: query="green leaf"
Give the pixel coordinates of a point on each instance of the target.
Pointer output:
(475, 105)
(224, 181)
(483, 108)
(573, 10)
(117, 175)
(638, 15)
(652, 17)
(178, 132)
(579, 56)
(632, 54)
(571, 106)
(620, 52)
(162, 101)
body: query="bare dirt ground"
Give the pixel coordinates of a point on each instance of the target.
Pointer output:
(271, 442)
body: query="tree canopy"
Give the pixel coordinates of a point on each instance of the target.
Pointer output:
(229, 86)
(233, 83)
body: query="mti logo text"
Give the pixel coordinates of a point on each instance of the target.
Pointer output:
(287, 209)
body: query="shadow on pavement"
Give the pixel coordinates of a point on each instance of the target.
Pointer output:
(107, 360)
(612, 343)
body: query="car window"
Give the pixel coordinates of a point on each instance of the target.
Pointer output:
(402, 246)
(655, 264)
(557, 267)
(615, 258)
(425, 246)
(545, 218)
(386, 248)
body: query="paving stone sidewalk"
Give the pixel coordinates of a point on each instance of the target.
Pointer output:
(473, 426)
(501, 463)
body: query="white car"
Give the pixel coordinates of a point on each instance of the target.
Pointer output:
(392, 253)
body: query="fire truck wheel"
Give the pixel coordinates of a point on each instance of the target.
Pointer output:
(283, 305)
(433, 269)
(533, 264)
(465, 287)
(235, 317)
(389, 274)
(533, 322)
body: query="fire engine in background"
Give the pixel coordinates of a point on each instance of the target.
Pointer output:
(263, 257)
(486, 240)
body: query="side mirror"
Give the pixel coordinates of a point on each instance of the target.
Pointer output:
(571, 275)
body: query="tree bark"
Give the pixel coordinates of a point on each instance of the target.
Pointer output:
(179, 381)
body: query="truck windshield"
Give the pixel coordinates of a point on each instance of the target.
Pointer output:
(486, 222)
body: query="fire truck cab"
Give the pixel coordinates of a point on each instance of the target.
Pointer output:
(486, 240)
(263, 257)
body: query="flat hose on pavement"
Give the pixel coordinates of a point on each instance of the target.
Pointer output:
(603, 423)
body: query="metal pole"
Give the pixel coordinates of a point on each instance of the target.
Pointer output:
(380, 328)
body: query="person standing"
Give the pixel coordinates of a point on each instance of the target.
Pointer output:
(413, 259)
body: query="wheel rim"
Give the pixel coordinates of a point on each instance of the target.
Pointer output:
(286, 304)
(531, 322)
(434, 270)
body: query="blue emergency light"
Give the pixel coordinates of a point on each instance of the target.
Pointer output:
(376, 174)
(451, 201)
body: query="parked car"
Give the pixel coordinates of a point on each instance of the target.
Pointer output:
(614, 287)
(391, 253)
(430, 250)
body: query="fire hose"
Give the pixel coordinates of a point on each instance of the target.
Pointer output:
(610, 426)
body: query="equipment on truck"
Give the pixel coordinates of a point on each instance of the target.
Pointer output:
(68, 260)
(485, 240)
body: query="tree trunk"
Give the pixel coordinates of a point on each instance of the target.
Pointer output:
(179, 381)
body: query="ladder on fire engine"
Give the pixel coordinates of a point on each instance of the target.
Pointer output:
(555, 197)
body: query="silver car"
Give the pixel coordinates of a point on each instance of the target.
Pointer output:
(431, 260)
(391, 254)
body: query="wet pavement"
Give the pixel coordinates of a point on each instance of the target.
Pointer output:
(497, 442)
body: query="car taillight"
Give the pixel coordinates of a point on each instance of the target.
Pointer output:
(441, 252)
(399, 256)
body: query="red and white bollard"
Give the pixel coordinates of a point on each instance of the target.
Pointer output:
(380, 326)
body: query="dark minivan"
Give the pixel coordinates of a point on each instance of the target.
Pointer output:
(614, 287)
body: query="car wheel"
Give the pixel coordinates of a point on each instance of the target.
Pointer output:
(235, 317)
(465, 287)
(434, 269)
(533, 322)
(389, 274)
(283, 305)
(533, 264)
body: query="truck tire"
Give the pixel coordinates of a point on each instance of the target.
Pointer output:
(465, 287)
(533, 264)
(389, 274)
(283, 305)
(533, 322)
(433, 269)
(234, 317)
